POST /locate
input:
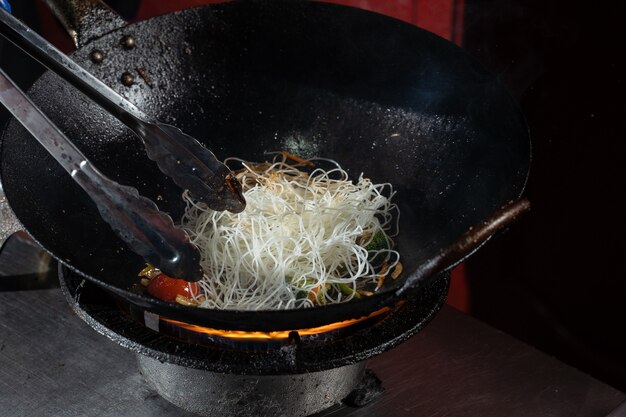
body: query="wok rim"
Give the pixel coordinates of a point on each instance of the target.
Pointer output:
(378, 300)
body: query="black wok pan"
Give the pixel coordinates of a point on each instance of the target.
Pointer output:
(380, 96)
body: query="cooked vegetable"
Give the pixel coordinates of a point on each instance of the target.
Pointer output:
(378, 241)
(382, 275)
(397, 271)
(185, 301)
(167, 288)
(149, 272)
(348, 290)
(305, 238)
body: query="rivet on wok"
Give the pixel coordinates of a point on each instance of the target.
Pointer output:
(127, 79)
(96, 56)
(128, 42)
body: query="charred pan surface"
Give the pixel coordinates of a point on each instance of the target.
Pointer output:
(102, 312)
(379, 96)
(85, 20)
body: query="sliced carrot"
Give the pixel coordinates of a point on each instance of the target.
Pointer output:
(397, 271)
(381, 275)
(297, 159)
(313, 293)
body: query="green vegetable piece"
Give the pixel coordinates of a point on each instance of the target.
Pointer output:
(378, 242)
(347, 290)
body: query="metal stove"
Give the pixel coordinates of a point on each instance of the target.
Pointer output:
(292, 375)
(52, 364)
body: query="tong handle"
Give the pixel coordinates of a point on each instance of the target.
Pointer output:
(59, 63)
(195, 167)
(135, 219)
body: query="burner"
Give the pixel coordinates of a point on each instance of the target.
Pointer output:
(214, 394)
(297, 374)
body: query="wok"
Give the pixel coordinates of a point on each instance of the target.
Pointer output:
(378, 95)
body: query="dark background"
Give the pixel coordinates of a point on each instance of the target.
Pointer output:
(555, 280)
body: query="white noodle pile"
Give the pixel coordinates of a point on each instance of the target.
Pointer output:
(301, 238)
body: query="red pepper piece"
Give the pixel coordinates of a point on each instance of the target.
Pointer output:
(167, 288)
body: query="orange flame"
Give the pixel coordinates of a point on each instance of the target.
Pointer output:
(284, 334)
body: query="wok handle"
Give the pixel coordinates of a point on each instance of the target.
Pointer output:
(465, 245)
(85, 20)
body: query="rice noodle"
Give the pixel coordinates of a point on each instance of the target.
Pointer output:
(301, 240)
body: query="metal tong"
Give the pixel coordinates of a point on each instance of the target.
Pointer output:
(135, 219)
(178, 155)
